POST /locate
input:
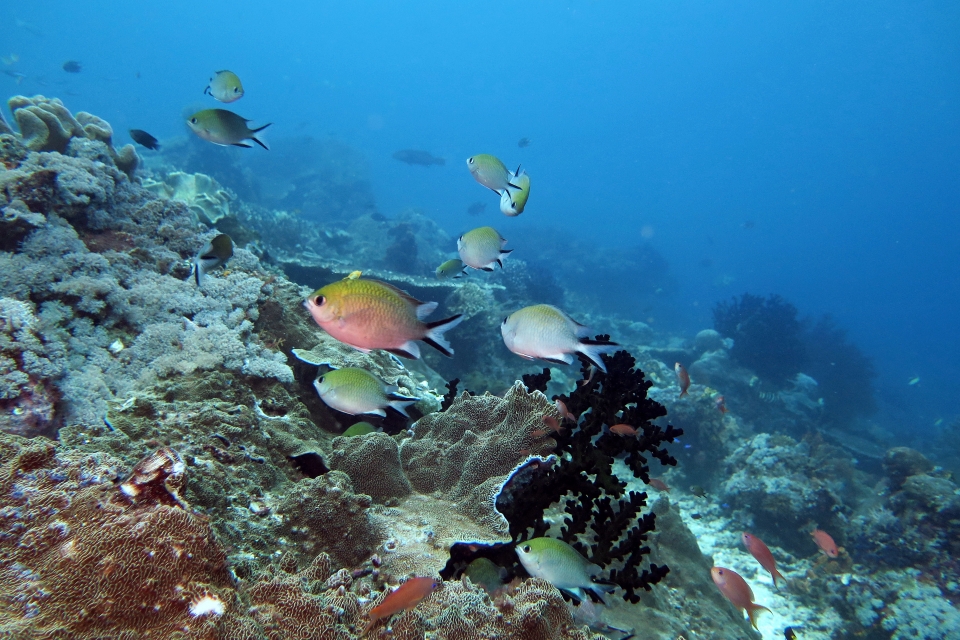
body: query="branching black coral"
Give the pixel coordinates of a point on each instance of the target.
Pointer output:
(583, 477)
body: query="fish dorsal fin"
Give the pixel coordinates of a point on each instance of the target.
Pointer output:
(406, 296)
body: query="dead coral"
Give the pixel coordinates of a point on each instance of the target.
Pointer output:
(78, 559)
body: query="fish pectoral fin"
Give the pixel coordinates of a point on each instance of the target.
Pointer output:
(376, 412)
(563, 358)
(242, 144)
(406, 350)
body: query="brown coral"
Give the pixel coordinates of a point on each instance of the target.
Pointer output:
(353, 456)
(78, 560)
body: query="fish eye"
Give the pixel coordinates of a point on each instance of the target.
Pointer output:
(526, 548)
(504, 320)
(236, 89)
(470, 160)
(193, 120)
(319, 301)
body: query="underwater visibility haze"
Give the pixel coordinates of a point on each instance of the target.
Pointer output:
(593, 319)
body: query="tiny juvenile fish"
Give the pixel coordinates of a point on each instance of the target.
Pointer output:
(513, 201)
(353, 391)
(565, 414)
(561, 565)
(762, 553)
(225, 128)
(698, 491)
(545, 332)
(358, 429)
(213, 254)
(353, 275)
(721, 404)
(451, 269)
(406, 596)
(225, 86)
(72, 66)
(490, 172)
(825, 542)
(482, 248)
(485, 574)
(683, 378)
(143, 138)
(737, 591)
(368, 314)
(418, 157)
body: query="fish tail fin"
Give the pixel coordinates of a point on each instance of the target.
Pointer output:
(682, 393)
(196, 273)
(260, 138)
(435, 331)
(400, 404)
(593, 349)
(754, 611)
(776, 574)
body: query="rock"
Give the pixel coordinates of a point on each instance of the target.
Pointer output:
(902, 462)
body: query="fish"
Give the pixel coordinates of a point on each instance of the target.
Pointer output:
(545, 332)
(659, 485)
(565, 414)
(683, 378)
(225, 128)
(224, 86)
(524, 142)
(737, 591)
(790, 633)
(913, 381)
(369, 314)
(11, 59)
(762, 553)
(696, 516)
(144, 139)
(513, 200)
(721, 404)
(623, 430)
(476, 208)
(213, 254)
(15, 74)
(353, 390)
(490, 172)
(353, 275)
(72, 66)
(552, 424)
(482, 248)
(484, 573)
(405, 597)
(451, 269)
(698, 491)
(358, 429)
(825, 542)
(561, 565)
(418, 157)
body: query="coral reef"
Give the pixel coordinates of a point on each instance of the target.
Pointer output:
(205, 198)
(46, 125)
(844, 373)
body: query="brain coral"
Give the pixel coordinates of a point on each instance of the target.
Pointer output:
(80, 559)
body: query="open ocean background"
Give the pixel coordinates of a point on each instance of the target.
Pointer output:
(810, 150)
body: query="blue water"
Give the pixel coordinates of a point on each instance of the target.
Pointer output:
(809, 150)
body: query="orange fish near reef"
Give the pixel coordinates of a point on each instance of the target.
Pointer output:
(737, 591)
(659, 484)
(564, 412)
(721, 404)
(825, 542)
(623, 430)
(683, 378)
(552, 424)
(761, 552)
(406, 596)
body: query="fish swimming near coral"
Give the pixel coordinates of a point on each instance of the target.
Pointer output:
(144, 139)
(353, 391)
(683, 378)
(484, 573)
(490, 172)
(368, 314)
(737, 591)
(623, 430)
(358, 429)
(721, 404)
(514, 200)
(418, 157)
(405, 597)
(72, 66)
(561, 565)
(482, 248)
(659, 485)
(476, 209)
(545, 332)
(213, 254)
(762, 553)
(225, 86)
(225, 128)
(451, 269)
(524, 142)
(825, 541)
(790, 633)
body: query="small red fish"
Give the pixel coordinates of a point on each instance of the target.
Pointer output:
(737, 591)
(825, 542)
(593, 370)
(683, 378)
(406, 596)
(564, 412)
(721, 404)
(761, 552)
(552, 424)
(659, 484)
(623, 430)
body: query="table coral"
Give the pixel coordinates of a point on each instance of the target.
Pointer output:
(80, 559)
